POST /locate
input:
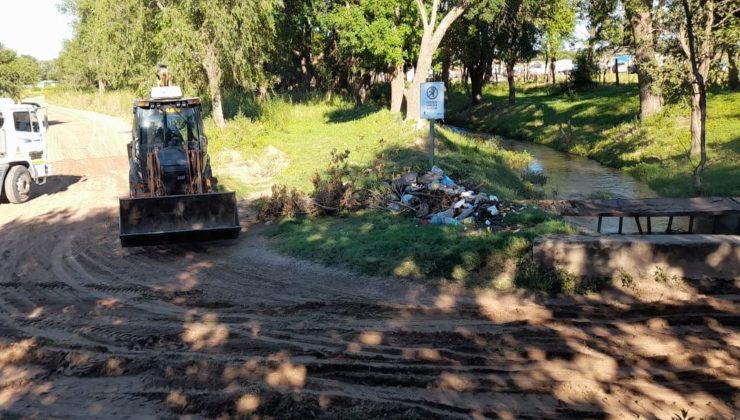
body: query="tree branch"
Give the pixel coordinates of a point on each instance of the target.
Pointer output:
(447, 21)
(730, 15)
(435, 8)
(683, 41)
(423, 13)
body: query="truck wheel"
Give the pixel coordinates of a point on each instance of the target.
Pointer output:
(18, 185)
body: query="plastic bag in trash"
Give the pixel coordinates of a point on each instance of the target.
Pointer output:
(441, 219)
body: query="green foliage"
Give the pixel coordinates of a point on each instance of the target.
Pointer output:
(217, 42)
(16, 72)
(530, 276)
(118, 43)
(373, 33)
(673, 78)
(385, 244)
(559, 20)
(660, 275)
(517, 31)
(113, 44)
(602, 124)
(585, 70)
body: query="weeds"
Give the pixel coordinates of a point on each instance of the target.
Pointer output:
(660, 275)
(627, 280)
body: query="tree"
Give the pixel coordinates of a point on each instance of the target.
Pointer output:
(727, 38)
(472, 41)
(302, 40)
(640, 15)
(559, 21)
(433, 32)
(697, 36)
(516, 37)
(373, 37)
(114, 43)
(214, 43)
(700, 57)
(16, 72)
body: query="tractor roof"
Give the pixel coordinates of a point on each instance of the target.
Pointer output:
(183, 102)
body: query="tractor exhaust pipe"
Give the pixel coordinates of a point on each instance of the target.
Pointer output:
(163, 75)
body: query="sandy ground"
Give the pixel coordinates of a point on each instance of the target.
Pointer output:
(88, 329)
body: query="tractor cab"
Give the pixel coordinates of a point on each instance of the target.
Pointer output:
(169, 129)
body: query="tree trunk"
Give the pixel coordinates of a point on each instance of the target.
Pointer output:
(700, 62)
(362, 89)
(214, 73)
(446, 64)
(101, 86)
(477, 74)
(639, 12)
(696, 120)
(733, 79)
(423, 65)
(397, 85)
(616, 71)
(552, 70)
(430, 41)
(511, 81)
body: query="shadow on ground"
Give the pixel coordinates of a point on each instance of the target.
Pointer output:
(228, 331)
(54, 184)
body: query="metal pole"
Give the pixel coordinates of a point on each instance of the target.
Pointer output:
(431, 143)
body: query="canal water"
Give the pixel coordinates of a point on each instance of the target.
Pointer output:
(576, 177)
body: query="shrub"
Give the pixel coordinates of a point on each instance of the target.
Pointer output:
(584, 71)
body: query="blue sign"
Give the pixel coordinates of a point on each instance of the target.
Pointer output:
(432, 101)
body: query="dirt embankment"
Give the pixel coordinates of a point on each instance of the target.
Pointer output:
(90, 329)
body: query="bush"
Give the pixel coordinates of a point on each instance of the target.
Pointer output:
(584, 71)
(674, 80)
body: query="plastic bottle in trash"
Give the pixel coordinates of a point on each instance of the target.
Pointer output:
(447, 181)
(436, 170)
(441, 219)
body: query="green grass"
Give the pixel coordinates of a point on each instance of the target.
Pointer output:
(603, 124)
(116, 103)
(372, 242)
(392, 245)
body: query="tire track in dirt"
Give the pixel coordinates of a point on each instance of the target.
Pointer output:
(234, 329)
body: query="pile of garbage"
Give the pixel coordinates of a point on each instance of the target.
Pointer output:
(436, 199)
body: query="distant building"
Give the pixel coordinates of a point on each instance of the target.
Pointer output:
(46, 83)
(564, 66)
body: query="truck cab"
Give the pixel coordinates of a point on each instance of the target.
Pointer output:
(23, 149)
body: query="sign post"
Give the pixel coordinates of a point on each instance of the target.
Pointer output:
(432, 108)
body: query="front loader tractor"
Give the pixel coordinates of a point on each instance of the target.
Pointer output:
(173, 196)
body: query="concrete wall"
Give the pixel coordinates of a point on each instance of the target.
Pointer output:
(686, 256)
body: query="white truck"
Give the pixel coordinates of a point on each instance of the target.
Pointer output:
(23, 149)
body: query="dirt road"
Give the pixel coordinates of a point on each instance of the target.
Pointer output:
(234, 329)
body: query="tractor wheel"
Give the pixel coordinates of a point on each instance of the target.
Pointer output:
(18, 185)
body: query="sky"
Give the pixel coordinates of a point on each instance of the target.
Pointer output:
(34, 27)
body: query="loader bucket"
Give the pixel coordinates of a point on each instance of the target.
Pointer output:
(178, 218)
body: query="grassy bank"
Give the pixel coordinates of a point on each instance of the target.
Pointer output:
(302, 135)
(391, 245)
(602, 124)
